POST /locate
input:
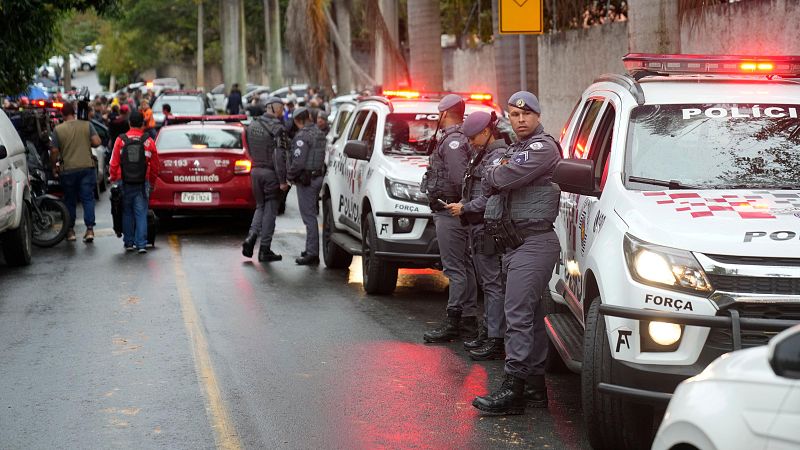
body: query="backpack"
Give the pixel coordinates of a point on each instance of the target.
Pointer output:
(133, 160)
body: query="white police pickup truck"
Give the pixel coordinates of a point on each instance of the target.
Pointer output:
(371, 202)
(680, 229)
(15, 195)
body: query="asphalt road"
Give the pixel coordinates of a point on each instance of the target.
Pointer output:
(194, 346)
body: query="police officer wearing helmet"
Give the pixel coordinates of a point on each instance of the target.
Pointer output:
(306, 169)
(521, 218)
(267, 142)
(480, 129)
(443, 183)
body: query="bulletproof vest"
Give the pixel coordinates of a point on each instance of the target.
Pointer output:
(438, 185)
(477, 168)
(317, 143)
(133, 160)
(538, 201)
(261, 139)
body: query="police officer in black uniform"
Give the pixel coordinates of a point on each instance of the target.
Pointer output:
(443, 183)
(521, 218)
(267, 141)
(306, 169)
(487, 147)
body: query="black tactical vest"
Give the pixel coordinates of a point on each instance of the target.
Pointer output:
(261, 139)
(437, 184)
(317, 143)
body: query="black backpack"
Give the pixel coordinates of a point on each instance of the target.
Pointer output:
(133, 160)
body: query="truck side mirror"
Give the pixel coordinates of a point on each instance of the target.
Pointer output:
(576, 176)
(784, 353)
(357, 150)
(3, 152)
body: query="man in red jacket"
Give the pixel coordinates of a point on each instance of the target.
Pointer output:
(134, 161)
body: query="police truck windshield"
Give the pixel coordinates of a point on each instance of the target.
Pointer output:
(198, 138)
(408, 134)
(715, 145)
(181, 105)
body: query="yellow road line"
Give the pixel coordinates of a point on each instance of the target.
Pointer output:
(224, 431)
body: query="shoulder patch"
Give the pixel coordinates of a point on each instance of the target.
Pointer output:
(454, 144)
(521, 157)
(300, 143)
(536, 146)
(296, 153)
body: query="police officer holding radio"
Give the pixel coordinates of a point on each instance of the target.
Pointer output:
(268, 142)
(480, 129)
(521, 219)
(306, 169)
(443, 183)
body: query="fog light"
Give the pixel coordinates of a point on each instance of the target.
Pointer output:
(403, 225)
(664, 333)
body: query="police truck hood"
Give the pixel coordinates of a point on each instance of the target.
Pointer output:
(725, 222)
(406, 168)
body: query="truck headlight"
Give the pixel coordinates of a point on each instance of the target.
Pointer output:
(663, 333)
(665, 267)
(405, 191)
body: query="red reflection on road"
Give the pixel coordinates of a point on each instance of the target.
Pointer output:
(401, 395)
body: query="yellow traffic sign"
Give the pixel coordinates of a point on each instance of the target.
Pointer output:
(521, 16)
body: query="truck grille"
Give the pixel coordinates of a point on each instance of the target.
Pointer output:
(721, 338)
(755, 285)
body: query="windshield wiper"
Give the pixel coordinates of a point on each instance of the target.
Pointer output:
(671, 184)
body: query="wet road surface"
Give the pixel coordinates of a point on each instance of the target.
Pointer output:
(194, 346)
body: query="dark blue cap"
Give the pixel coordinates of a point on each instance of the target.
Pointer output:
(449, 101)
(525, 100)
(475, 123)
(299, 111)
(271, 100)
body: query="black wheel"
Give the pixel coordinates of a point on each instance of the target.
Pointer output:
(49, 223)
(86, 67)
(335, 257)
(611, 422)
(554, 363)
(380, 277)
(17, 243)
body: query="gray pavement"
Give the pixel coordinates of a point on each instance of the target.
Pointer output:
(194, 346)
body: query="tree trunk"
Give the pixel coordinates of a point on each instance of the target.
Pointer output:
(425, 35)
(242, 69)
(344, 75)
(66, 73)
(274, 47)
(229, 31)
(201, 64)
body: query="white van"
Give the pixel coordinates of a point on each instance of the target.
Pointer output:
(15, 195)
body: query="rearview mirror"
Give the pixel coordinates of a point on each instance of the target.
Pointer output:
(3, 152)
(576, 176)
(356, 150)
(784, 353)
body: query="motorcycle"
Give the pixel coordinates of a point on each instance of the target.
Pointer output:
(50, 217)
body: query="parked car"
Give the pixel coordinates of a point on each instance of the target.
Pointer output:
(58, 60)
(15, 197)
(678, 228)
(205, 167)
(183, 103)
(371, 200)
(744, 400)
(217, 97)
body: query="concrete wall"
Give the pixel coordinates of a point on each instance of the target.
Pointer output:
(569, 61)
(469, 70)
(766, 27)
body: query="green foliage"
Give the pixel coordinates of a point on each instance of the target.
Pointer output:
(29, 33)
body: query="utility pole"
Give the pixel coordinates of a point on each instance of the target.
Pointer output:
(230, 23)
(242, 53)
(344, 74)
(272, 26)
(201, 66)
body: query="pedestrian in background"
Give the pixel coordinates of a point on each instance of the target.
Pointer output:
(306, 170)
(234, 100)
(134, 162)
(268, 143)
(166, 110)
(71, 155)
(481, 130)
(525, 210)
(149, 120)
(443, 183)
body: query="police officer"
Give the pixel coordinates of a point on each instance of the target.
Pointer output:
(443, 183)
(521, 217)
(306, 170)
(268, 142)
(480, 129)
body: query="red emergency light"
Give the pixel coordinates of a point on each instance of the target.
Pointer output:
(409, 95)
(216, 118)
(401, 94)
(782, 66)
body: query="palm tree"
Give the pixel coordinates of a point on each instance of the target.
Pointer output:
(424, 36)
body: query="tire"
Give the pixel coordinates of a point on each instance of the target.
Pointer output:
(50, 227)
(380, 277)
(17, 244)
(335, 257)
(86, 67)
(553, 363)
(611, 422)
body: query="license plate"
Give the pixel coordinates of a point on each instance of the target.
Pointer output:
(196, 197)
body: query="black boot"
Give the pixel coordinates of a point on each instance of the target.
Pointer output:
(469, 327)
(480, 340)
(447, 331)
(249, 244)
(509, 399)
(307, 260)
(493, 349)
(536, 391)
(267, 255)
